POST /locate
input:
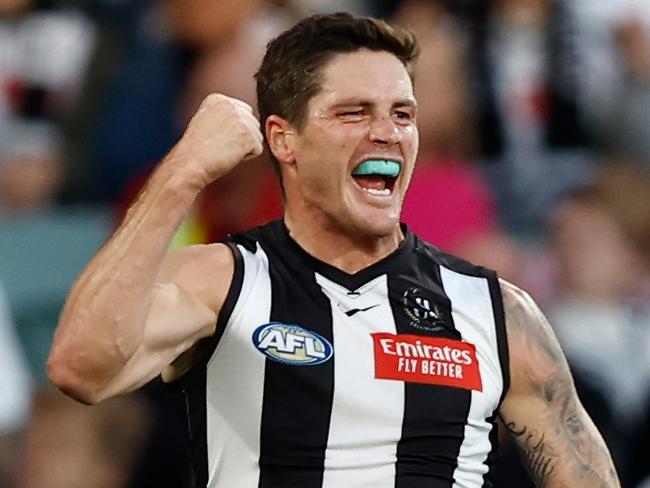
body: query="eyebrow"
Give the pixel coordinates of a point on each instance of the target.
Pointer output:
(362, 102)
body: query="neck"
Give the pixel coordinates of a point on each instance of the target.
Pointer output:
(346, 249)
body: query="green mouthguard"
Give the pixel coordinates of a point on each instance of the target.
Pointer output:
(377, 167)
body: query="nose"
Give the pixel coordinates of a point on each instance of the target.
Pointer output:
(383, 131)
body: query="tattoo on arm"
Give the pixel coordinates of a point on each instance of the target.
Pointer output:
(538, 458)
(558, 442)
(586, 450)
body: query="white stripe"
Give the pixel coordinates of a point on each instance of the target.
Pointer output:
(235, 380)
(356, 457)
(474, 319)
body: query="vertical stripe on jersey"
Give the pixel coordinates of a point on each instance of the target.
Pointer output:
(431, 432)
(297, 399)
(233, 399)
(474, 319)
(194, 382)
(358, 457)
(502, 339)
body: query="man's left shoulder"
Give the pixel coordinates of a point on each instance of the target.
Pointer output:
(429, 251)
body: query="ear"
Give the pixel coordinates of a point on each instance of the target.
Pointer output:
(279, 135)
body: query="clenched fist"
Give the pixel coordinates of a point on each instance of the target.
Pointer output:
(222, 133)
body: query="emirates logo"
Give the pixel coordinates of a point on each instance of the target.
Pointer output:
(428, 360)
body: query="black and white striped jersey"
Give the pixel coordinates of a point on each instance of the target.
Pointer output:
(390, 377)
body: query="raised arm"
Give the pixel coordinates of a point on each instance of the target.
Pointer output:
(558, 442)
(134, 309)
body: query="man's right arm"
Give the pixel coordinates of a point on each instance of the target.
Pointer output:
(134, 309)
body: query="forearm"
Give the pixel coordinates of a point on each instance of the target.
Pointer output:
(103, 320)
(119, 327)
(570, 451)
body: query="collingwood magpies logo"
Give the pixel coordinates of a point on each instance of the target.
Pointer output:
(422, 310)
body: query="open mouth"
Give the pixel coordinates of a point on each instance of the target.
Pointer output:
(377, 176)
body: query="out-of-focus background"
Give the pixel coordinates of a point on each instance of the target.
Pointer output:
(535, 160)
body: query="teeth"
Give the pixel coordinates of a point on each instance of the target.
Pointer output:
(385, 192)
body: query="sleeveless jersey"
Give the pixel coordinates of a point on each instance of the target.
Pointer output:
(387, 378)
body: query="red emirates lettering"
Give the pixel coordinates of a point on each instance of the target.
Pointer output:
(422, 359)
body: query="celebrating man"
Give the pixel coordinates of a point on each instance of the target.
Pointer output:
(333, 348)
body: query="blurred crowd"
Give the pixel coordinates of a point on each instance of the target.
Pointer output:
(534, 119)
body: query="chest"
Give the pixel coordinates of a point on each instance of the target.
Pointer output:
(363, 350)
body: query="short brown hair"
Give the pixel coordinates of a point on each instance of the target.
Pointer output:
(289, 75)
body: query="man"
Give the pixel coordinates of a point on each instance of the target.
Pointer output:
(333, 348)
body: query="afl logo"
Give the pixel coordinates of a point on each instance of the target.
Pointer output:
(291, 344)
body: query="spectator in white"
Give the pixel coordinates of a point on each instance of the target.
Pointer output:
(30, 165)
(614, 43)
(43, 57)
(525, 85)
(16, 387)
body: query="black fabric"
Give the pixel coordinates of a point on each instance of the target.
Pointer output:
(504, 361)
(297, 401)
(164, 460)
(502, 337)
(434, 416)
(192, 385)
(195, 405)
(563, 127)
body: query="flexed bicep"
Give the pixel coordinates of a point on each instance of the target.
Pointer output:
(177, 320)
(186, 299)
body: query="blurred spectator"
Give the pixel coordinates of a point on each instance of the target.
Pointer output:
(524, 65)
(449, 202)
(360, 7)
(131, 123)
(250, 194)
(602, 312)
(629, 130)
(614, 43)
(169, 50)
(43, 56)
(15, 400)
(208, 23)
(69, 445)
(30, 165)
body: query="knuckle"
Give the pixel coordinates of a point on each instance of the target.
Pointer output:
(213, 99)
(242, 129)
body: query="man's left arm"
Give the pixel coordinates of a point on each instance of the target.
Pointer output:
(558, 442)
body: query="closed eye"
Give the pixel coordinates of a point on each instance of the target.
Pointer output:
(351, 113)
